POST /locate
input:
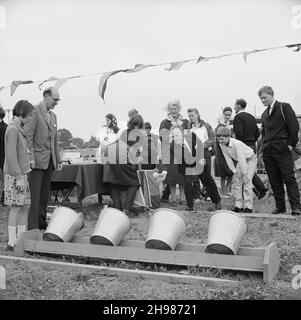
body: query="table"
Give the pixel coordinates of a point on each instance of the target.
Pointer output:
(86, 179)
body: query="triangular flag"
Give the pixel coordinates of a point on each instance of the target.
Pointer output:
(60, 82)
(203, 59)
(103, 83)
(176, 65)
(297, 45)
(49, 79)
(15, 84)
(246, 53)
(138, 67)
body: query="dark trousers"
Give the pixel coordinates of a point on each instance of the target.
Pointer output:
(166, 193)
(39, 184)
(207, 181)
(280, 169)
(258, 184)
(115, 190)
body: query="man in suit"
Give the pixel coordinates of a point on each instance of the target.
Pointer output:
(44, 156)
(246, 130)
(3, 127)
(280, 129)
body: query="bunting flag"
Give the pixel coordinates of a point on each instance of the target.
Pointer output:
(103, 83)
(297, 46)
(138, 67)
(204, 59)
(246, 53)
(176, 65)
(49, 79)
(60, 82)
(15, 84)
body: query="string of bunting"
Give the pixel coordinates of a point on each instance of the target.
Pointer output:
(172, 66)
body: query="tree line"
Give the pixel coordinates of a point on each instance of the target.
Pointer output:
(67, 141)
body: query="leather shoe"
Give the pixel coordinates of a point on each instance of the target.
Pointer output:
(278, 211)
(237, 209)
(9, 248)
(247, 210)
(296, 212)
(188, 209)
(262, 193)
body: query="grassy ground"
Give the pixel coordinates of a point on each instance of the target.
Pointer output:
(32, 281)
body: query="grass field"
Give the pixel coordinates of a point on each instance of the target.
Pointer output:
(32, 281)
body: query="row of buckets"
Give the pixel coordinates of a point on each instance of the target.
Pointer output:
(225, 233)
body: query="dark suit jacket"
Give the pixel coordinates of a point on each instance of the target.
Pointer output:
(277, 133)
(245, 128)
(3, 127)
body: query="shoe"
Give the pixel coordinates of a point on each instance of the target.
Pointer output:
(278, 211)
(164, 200)
(173, 203)
(218, 206)
(247, 210)
(189, 209)
(262, 193)
(9, 248)
(237, 209)
(296, 212)
(197, 201)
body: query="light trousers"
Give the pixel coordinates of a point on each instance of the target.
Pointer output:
(243, 191)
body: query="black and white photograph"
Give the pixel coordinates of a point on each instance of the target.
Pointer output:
(150, 153)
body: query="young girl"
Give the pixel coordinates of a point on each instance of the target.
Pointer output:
(16, 168)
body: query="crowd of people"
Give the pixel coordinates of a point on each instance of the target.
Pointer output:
(180, 156)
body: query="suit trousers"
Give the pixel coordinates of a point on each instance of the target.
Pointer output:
(243, 191)
(280, 169)
(115, 190)
(39, 184)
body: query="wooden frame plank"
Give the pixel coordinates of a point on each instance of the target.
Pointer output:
(243, 251)
(261, 215)
(138, 274)
(182, 258)
(271, 262)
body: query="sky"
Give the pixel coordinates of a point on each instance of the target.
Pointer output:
(44, 38)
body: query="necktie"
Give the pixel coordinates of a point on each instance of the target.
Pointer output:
(269, 110)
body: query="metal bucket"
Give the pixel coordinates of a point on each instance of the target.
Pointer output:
(111, 227)
(166, 228)
(226, 232)
(63, 225)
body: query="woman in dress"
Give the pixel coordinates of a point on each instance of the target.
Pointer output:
(121, 164)
(108, 134)
(173, 120)
(16, 168)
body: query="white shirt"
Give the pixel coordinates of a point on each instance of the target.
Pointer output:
(272, 106)
(238, 151)
(200, 132)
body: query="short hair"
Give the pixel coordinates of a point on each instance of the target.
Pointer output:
(241, 102)
(174, 103)
(22, 109)
(132, 112)
(227, 109)
(193, 110)
(2, 113)
(147, 125)
(136, 120)
(113, 125)
(267, 90)
(47, 91)
(223, 131)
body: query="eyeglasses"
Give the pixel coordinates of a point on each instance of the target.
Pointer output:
(55, 99)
